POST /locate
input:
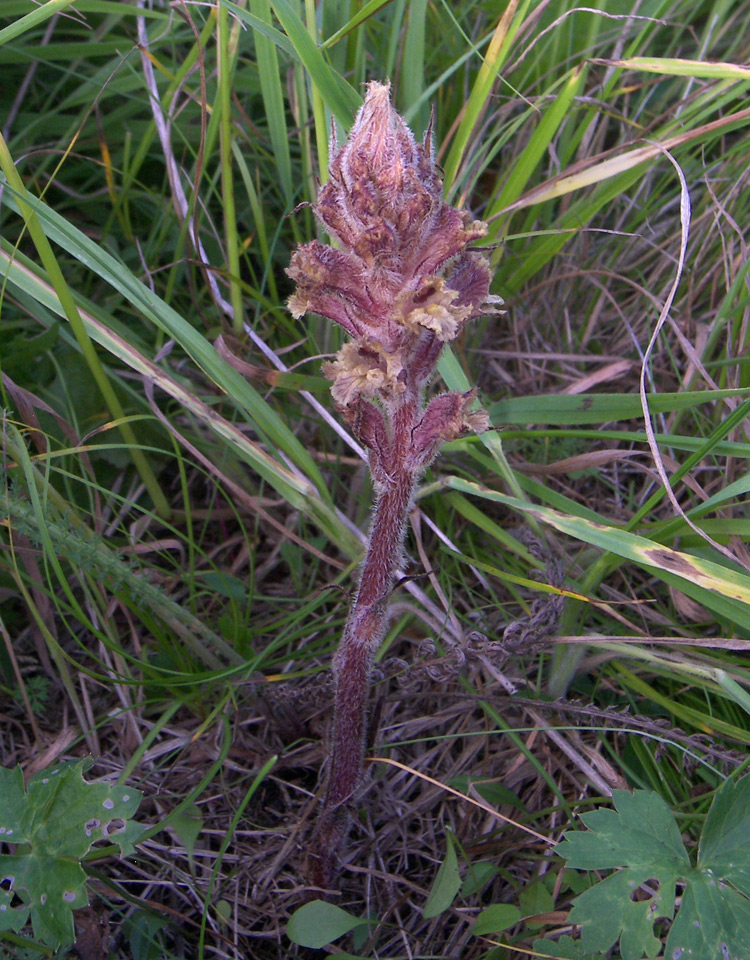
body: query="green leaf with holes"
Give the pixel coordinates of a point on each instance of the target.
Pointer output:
(49, 827)
(641, 841)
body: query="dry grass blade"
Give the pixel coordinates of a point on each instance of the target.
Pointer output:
(456, 793)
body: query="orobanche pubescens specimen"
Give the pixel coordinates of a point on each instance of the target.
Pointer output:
(402, 282)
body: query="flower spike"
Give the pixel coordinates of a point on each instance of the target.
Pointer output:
(402, 282)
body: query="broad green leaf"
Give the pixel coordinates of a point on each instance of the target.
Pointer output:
(535, 898)
(641, 838)
(713, 921)
(607, 913)
(57, 819)
(145, 941)
(725, 841)
(224, 584)
(446, 885)
(491, 791)
(498, 917)
(566, 948)
(641, 831)
(318, 923)
(642, 841)
(188, 824)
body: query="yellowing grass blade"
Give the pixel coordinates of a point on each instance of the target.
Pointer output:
(594, 171)
(296, 489)
(707, 574)
(675, 67)
(530, 157)
(496, 55)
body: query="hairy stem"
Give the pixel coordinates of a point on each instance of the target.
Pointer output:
(363, 634)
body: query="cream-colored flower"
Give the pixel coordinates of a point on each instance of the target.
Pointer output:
(364, 368)
(433, 307)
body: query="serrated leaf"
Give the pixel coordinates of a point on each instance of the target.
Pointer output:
(54, 887)
(725, 841)
(713, 922)
(639, 832)
(565, 948)
(446, 885)
(11, 918)
(714, 916)
(498, 917)
(57, 819)
(607, 913)
(317, 924)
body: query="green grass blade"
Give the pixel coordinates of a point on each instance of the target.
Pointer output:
(176, 327)
(566, 410)
(33, 19)
(273, 101)
(295, 489)
(497, 53)
(364, 13)
(339, 96)
(227, 50)
(529, 159)
(26, 206)
(676, 67)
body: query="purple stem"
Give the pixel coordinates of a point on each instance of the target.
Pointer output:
(362, 636)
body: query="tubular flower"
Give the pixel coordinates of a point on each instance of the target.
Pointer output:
(402, 282)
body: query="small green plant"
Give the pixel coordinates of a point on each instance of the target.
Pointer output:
(654, 880)
(316, 924)
(52, 825)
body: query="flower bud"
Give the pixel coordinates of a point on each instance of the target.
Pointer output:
(445, 419)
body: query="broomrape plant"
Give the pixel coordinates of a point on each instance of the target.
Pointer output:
(402, 283)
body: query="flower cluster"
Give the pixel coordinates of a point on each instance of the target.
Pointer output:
(401, 281)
